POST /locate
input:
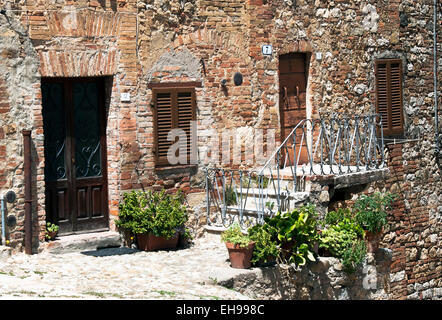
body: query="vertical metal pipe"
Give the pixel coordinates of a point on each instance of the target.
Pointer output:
(207, 196)
(3, 205)
(28, 190)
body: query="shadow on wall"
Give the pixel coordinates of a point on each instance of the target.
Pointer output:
(113, 4)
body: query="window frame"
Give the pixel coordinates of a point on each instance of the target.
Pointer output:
(389, 129)
(161, 161)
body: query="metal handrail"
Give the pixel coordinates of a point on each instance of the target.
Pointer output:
(334, 145)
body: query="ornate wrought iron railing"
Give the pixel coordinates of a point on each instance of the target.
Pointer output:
(334, 145)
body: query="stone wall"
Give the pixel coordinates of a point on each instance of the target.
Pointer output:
(19, 110)
(323, 279)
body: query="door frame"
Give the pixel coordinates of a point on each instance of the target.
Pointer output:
(283, 126)
(306, 57)
(71, 183)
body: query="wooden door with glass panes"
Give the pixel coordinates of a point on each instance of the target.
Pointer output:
(75, 153)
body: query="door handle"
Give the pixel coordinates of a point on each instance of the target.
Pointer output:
(297, 97)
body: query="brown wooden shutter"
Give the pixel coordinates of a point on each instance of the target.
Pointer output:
(163, 124)
(389, 95)
(186, 115)
(174, 108)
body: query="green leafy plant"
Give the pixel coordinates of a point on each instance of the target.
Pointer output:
(50, 228)
(341, 214)
(235, 236)
(295, 233)
(372, 210)
(262, 181)
(230, 196)
(269, 205)
(186, 234)
(266, 248)
(335, 239)
(343, 238)
(255, 181)
(153, 212)
(353, 256)
(342, 231)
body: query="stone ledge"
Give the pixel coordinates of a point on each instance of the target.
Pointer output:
(358, 178)
(320, 280)
(83, 242)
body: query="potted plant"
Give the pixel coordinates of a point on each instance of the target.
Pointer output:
(153, 217)
(239, 246)
(343, 238)
(51, 231)
(295, 233)
(371, 215)
(266, 248)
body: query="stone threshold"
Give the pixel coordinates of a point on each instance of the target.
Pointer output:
(83, 242)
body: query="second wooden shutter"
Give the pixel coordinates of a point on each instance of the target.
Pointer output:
(389, 95)
(185, 104)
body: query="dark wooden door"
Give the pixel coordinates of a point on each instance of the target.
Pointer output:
(292, 97)
(75, 153)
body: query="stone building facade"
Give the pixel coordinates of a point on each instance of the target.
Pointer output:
(135, 50)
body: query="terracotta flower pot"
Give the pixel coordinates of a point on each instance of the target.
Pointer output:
(51, 235)
(372, 240)
(240, 257)
(150, 242)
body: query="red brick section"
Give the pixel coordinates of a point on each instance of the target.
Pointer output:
(399, 218)
(98, 39)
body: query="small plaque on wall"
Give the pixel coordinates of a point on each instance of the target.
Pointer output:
(125, 97)
(267, 50)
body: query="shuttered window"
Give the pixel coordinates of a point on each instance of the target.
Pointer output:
(389, 95)
(173, 109)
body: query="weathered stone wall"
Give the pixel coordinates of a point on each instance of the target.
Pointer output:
(19, 100)
(323, 279)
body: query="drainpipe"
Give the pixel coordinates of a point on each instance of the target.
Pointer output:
(2, 200)
(436, 110)
(28, 190)
(9, 196)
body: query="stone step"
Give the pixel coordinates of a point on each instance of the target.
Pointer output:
(83, 242)
(254, 201)
(270, 192)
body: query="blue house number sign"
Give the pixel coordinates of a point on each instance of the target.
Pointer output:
(267, 50)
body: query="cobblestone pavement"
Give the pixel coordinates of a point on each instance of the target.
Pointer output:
(119, 273)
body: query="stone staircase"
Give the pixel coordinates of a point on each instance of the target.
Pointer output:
(253, 202)
(318, 156)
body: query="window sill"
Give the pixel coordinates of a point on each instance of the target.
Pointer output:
(163, 168)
